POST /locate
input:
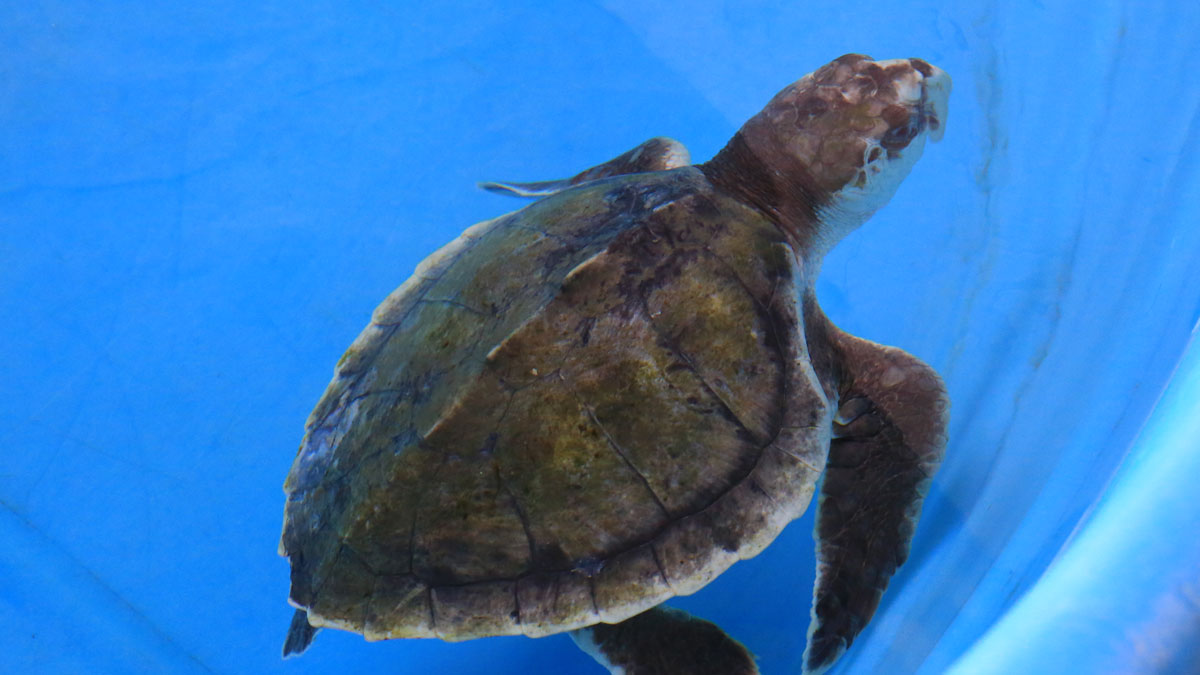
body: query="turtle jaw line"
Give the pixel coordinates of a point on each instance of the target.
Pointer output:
(853, 205)
(935, 93)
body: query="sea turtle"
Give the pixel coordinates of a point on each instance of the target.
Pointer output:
(578, 410)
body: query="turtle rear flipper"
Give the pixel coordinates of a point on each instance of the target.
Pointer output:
(657, 154)
(665, 641)
(889, 436)
(300, 634)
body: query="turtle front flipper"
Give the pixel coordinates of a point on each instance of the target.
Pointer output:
(665, 641)
(889, 437)
(656, 154)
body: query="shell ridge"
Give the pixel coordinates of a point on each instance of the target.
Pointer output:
(612, 443)
(416, 516)
(438, 262)
(671, 345)
(521, 515)
(451, 303)
(769, 314)
(793, 455)
(765, 308)
(348, 374)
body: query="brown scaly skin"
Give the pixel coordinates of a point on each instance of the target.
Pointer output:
(809, 142)
(890, 433)
(581, 409)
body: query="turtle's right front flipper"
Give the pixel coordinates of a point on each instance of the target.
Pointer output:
(656, 154)
(889, 437)
(665, 641)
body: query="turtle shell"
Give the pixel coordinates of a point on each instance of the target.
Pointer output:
(567, 415)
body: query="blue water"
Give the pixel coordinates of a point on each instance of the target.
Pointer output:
(201, 203)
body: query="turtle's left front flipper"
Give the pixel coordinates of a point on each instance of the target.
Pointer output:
(665, 641)
(657, 154)
(889, 437)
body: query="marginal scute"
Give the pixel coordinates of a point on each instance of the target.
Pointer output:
(631, 583)
(788, 482)
(739, 517)
(342, 597)
(399, 608)
(688, 557)
(475, 610)
(553, 602)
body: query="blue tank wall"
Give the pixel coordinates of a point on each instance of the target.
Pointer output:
(200, 206)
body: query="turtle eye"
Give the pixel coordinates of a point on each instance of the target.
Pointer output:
(900, 136)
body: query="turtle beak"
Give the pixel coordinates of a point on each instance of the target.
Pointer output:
(935, 91)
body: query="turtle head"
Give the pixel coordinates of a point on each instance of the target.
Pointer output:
(832, 147)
